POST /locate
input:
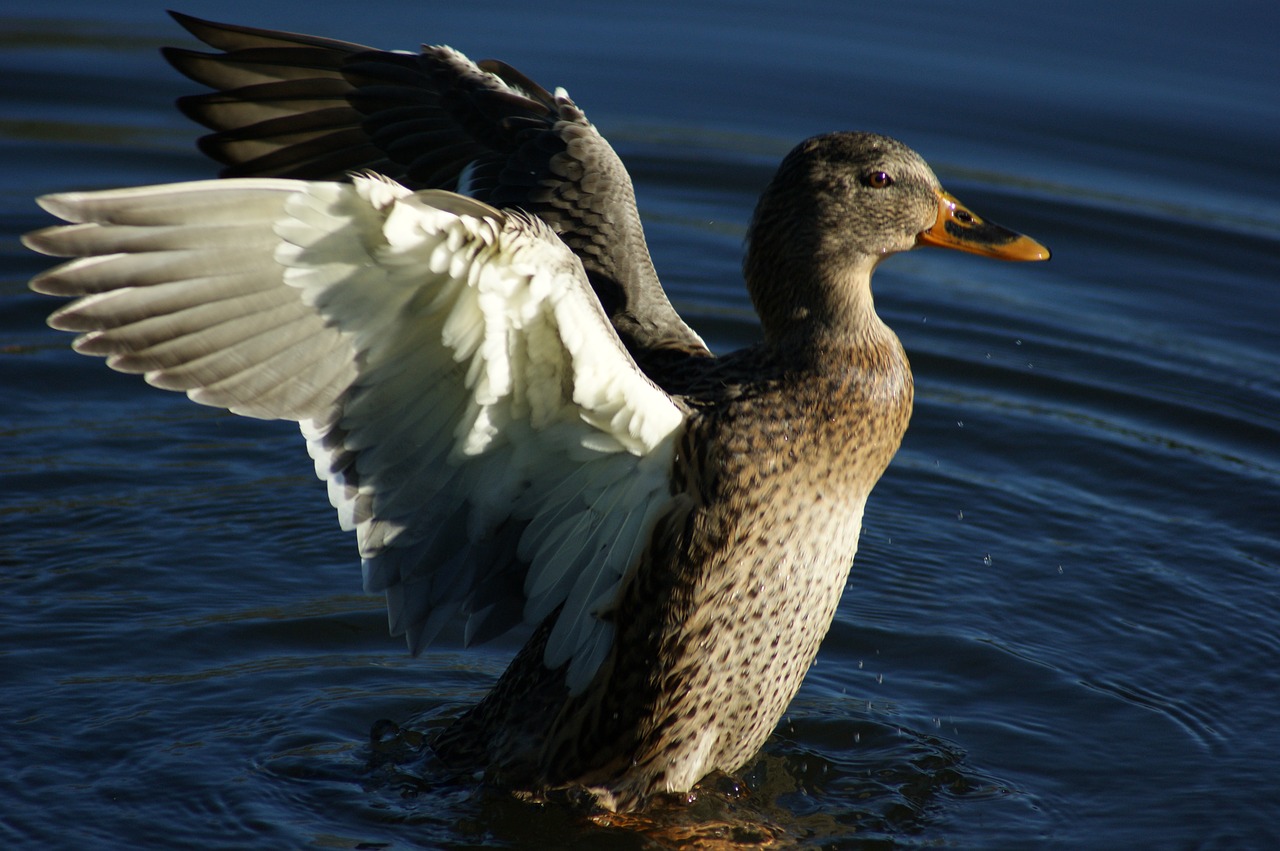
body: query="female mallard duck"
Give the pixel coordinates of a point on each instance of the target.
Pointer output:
(505, 406)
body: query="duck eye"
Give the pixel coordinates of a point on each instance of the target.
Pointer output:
(878, 180)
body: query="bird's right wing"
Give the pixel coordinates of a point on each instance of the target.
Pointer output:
(478, 422)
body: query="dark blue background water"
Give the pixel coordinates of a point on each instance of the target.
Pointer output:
(1061, 629)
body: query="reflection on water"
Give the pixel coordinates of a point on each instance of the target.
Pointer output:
(1060, 627)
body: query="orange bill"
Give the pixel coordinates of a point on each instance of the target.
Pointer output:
(960, 228)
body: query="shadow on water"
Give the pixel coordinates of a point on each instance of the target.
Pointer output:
(885, 782)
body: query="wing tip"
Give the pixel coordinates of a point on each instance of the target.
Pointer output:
(64, 205)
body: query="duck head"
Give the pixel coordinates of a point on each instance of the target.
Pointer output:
(838, 205)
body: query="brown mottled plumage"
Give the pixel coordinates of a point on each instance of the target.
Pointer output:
(687, 661)
(735, 592)
(740, 583)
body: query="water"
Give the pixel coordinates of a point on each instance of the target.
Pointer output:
(1061, 627)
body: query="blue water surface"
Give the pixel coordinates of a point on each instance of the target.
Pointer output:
(1061, 627)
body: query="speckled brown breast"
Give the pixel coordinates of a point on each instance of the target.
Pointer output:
(737, 590)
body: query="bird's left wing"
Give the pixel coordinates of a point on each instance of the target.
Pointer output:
(478, 421)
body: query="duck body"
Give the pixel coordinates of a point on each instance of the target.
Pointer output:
(733, 596)
(508, 411)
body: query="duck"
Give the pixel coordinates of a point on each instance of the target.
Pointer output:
(437, 269)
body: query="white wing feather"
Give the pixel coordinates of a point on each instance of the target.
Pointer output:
(458, 384)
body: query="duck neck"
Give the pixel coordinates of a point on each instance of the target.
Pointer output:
(825, 305)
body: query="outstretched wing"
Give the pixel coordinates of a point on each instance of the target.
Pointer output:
(479, 424)
(288, 105)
